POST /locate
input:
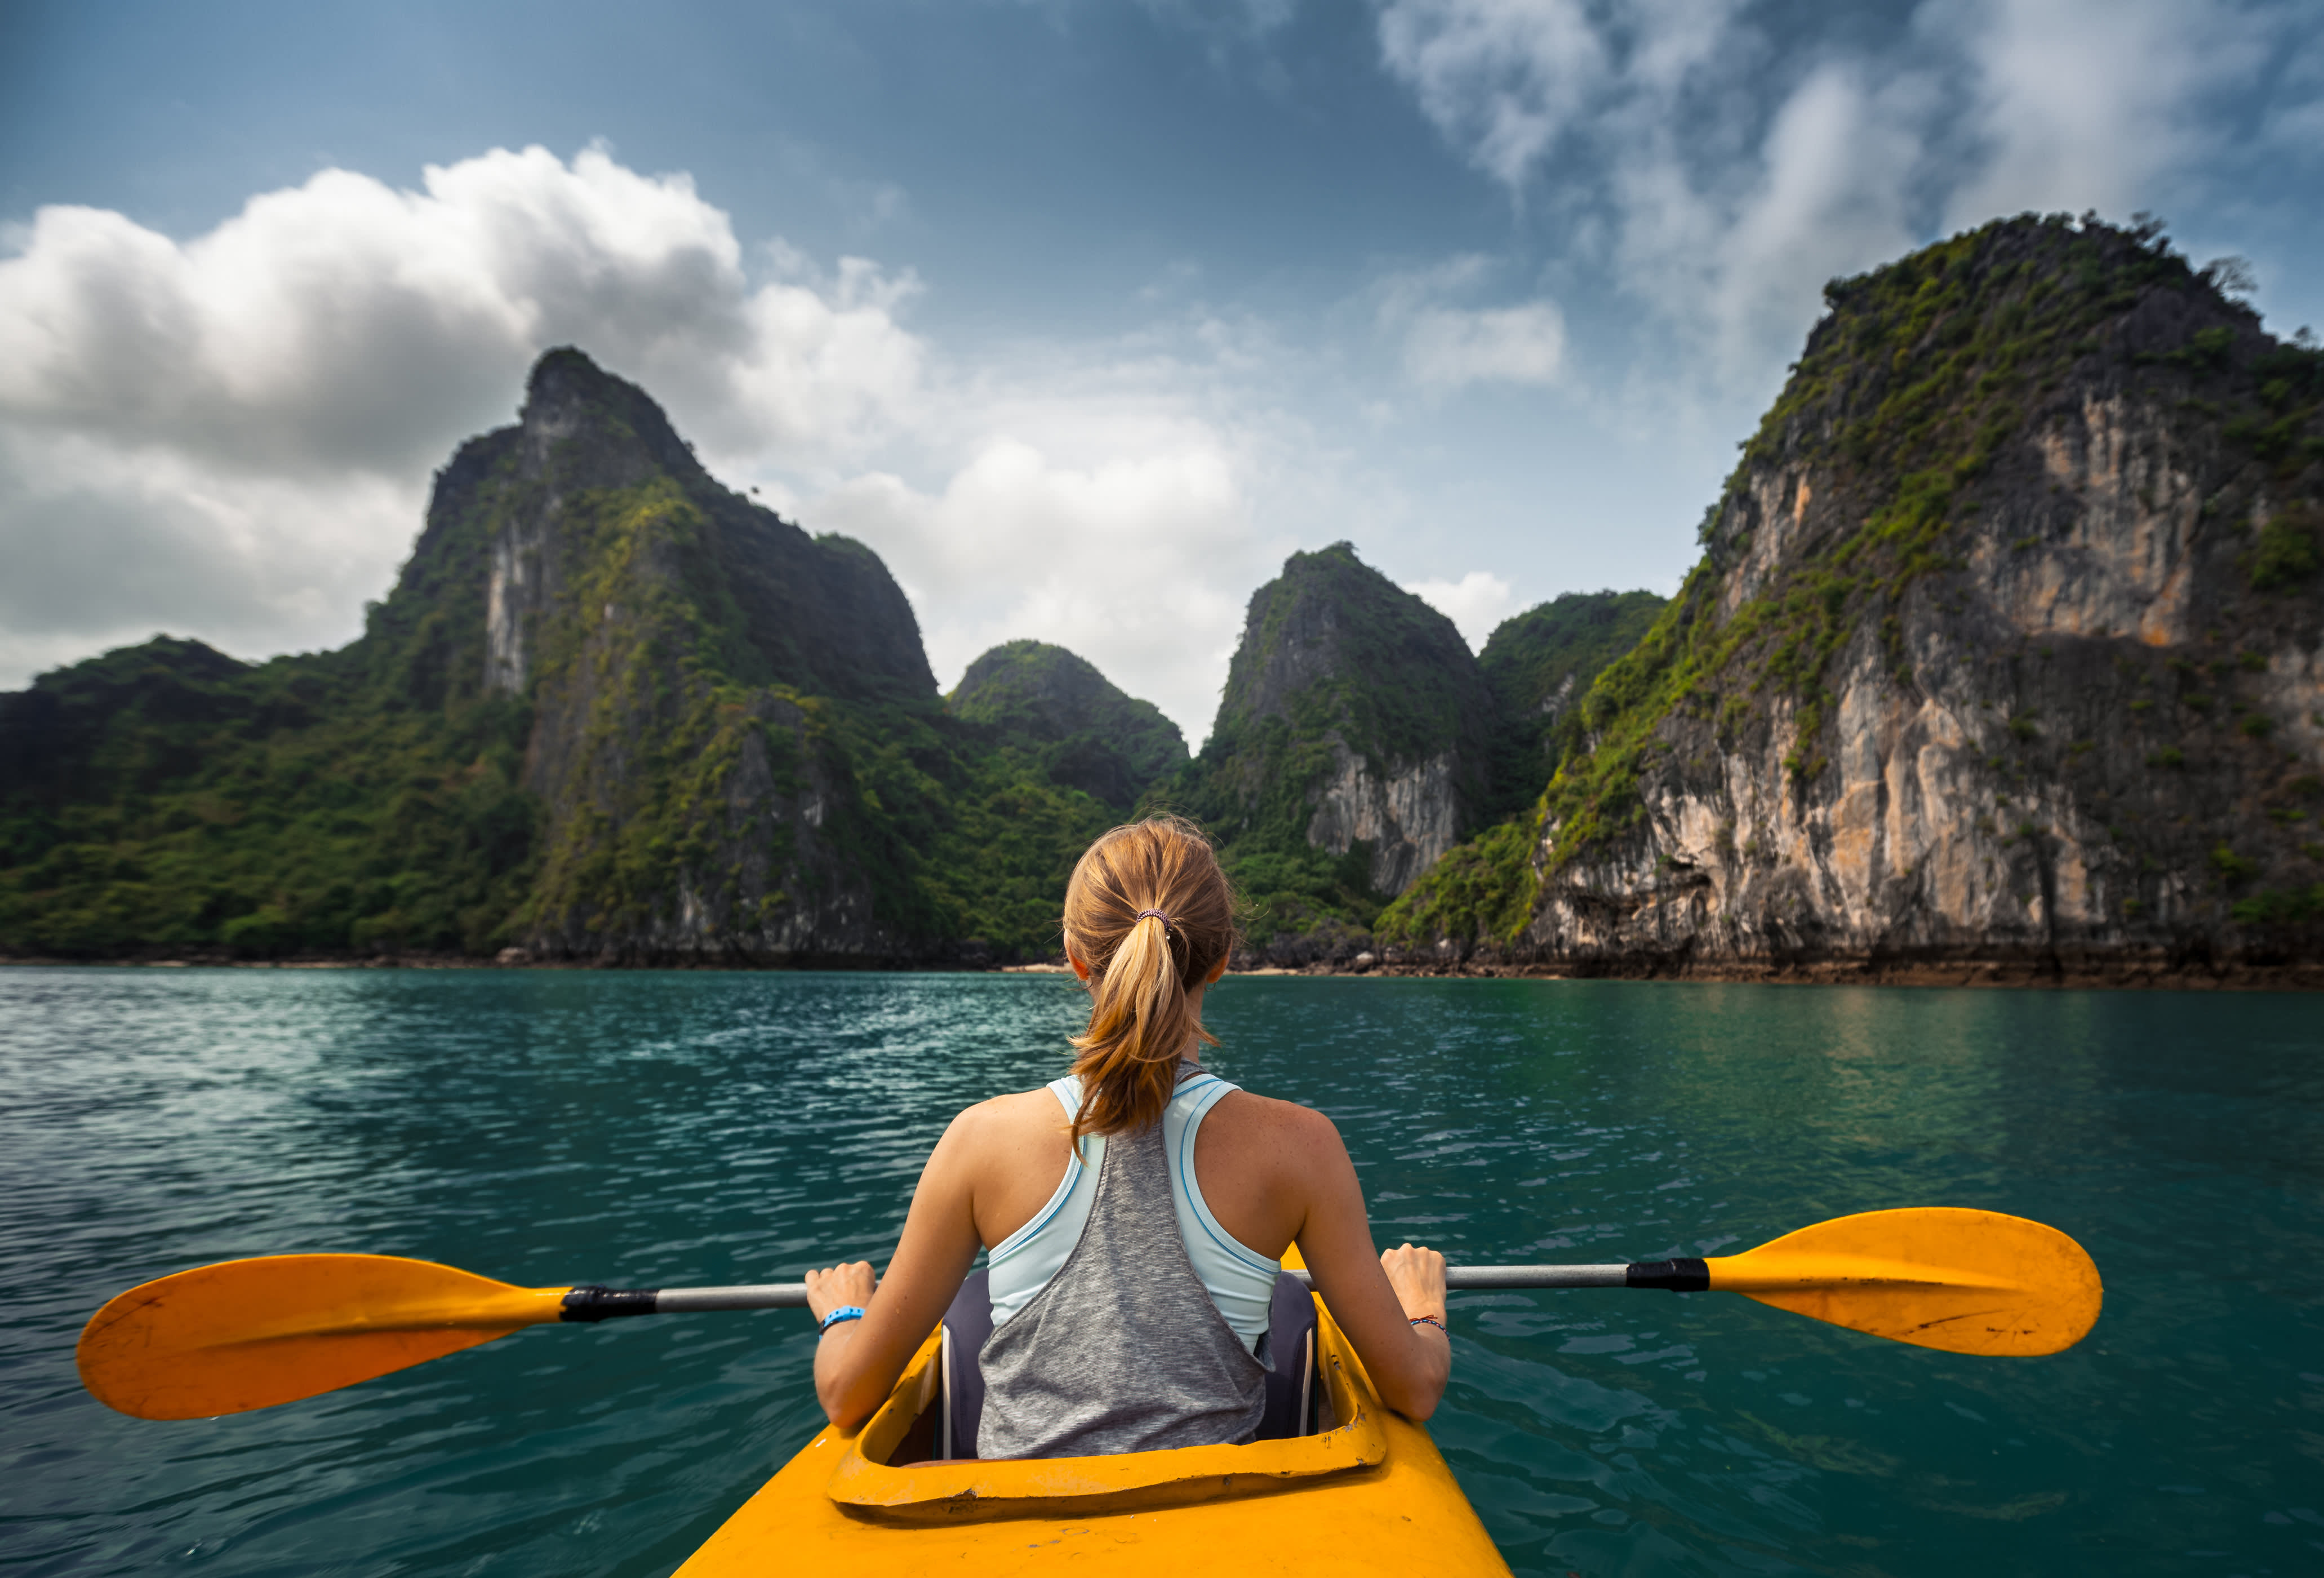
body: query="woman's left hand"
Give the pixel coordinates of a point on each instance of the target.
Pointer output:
(1418, 1275)
(839, 1287)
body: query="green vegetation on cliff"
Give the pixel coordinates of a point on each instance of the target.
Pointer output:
(1339, 673)
(1081, 731)
(165, 797)
(1540, 664)
(1335, 637)
(614, 711)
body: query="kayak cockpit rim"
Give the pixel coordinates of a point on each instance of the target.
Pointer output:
(864, 1485)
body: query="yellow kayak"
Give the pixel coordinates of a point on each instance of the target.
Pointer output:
(1369, 1491)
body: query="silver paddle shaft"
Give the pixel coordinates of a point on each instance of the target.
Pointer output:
(765, 1295)
(793, 1295)
(1458, 1277)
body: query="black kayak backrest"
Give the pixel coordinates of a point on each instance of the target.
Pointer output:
(966, 1325)
(1291, 1344)
(1290, 1341)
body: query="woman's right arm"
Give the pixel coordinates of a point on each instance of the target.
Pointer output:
(1375, 1297)
(857, 1362)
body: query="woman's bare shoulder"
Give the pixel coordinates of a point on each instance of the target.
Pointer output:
(1264, 1119)
(1264, 1166)
(1031, 1106)
(1014, 1122)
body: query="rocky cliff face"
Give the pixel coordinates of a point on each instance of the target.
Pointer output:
(820, 614)
(1406, 818)
(2003, 649)
(1353, 746)
(674, 641)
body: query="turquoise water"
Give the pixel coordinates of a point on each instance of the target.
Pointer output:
(651, 1130)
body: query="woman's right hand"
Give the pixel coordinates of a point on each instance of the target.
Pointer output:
(1418, 1275)
(839, 1287)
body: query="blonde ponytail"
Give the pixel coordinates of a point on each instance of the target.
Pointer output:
(1150, 914)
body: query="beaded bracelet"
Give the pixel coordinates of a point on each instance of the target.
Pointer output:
(846, 1312)
(1428, 1321)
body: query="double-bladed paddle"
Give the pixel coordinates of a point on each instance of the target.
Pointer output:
(245, 1334)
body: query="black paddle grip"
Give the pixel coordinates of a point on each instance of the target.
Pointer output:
(1681, 1276)
(597, 1303)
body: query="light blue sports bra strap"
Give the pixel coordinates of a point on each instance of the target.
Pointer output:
(1023, 1262)
(1240, 1279)
(1181, 1125)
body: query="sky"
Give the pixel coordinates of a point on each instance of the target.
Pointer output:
(1083, 313)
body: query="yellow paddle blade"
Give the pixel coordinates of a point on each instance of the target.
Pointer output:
(1937, 1276)
(246, 1334)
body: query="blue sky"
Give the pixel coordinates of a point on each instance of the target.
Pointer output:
(1083, 314)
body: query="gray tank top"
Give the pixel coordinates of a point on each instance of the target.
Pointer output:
(1124, 1351)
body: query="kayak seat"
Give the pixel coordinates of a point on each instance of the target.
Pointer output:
(966, 1324)
(1290, 1341)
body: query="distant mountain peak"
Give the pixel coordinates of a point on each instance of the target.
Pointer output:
(1090, 734)
(591, 427)
(1353, 745)
(1332, 631)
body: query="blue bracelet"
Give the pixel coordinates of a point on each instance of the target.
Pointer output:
(1428, 1321)
(846, 1312)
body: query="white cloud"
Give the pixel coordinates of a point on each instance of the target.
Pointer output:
(1504, 78)
(1477, 603)
(1140, 563)
(343, 324)
(2084, 103)
(1830, 196)
(1120, 499)
(1446, 347)
(103, 547)
(1725, 210)
(231, 435)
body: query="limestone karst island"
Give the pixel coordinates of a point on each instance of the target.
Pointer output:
(2001, 661)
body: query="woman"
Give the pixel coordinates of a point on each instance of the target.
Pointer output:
(1137, 1211)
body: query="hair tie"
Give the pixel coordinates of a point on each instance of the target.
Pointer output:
(1157, 914)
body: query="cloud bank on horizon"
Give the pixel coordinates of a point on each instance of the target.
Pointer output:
(230, 434)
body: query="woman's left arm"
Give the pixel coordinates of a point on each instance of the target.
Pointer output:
(857, 1362)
